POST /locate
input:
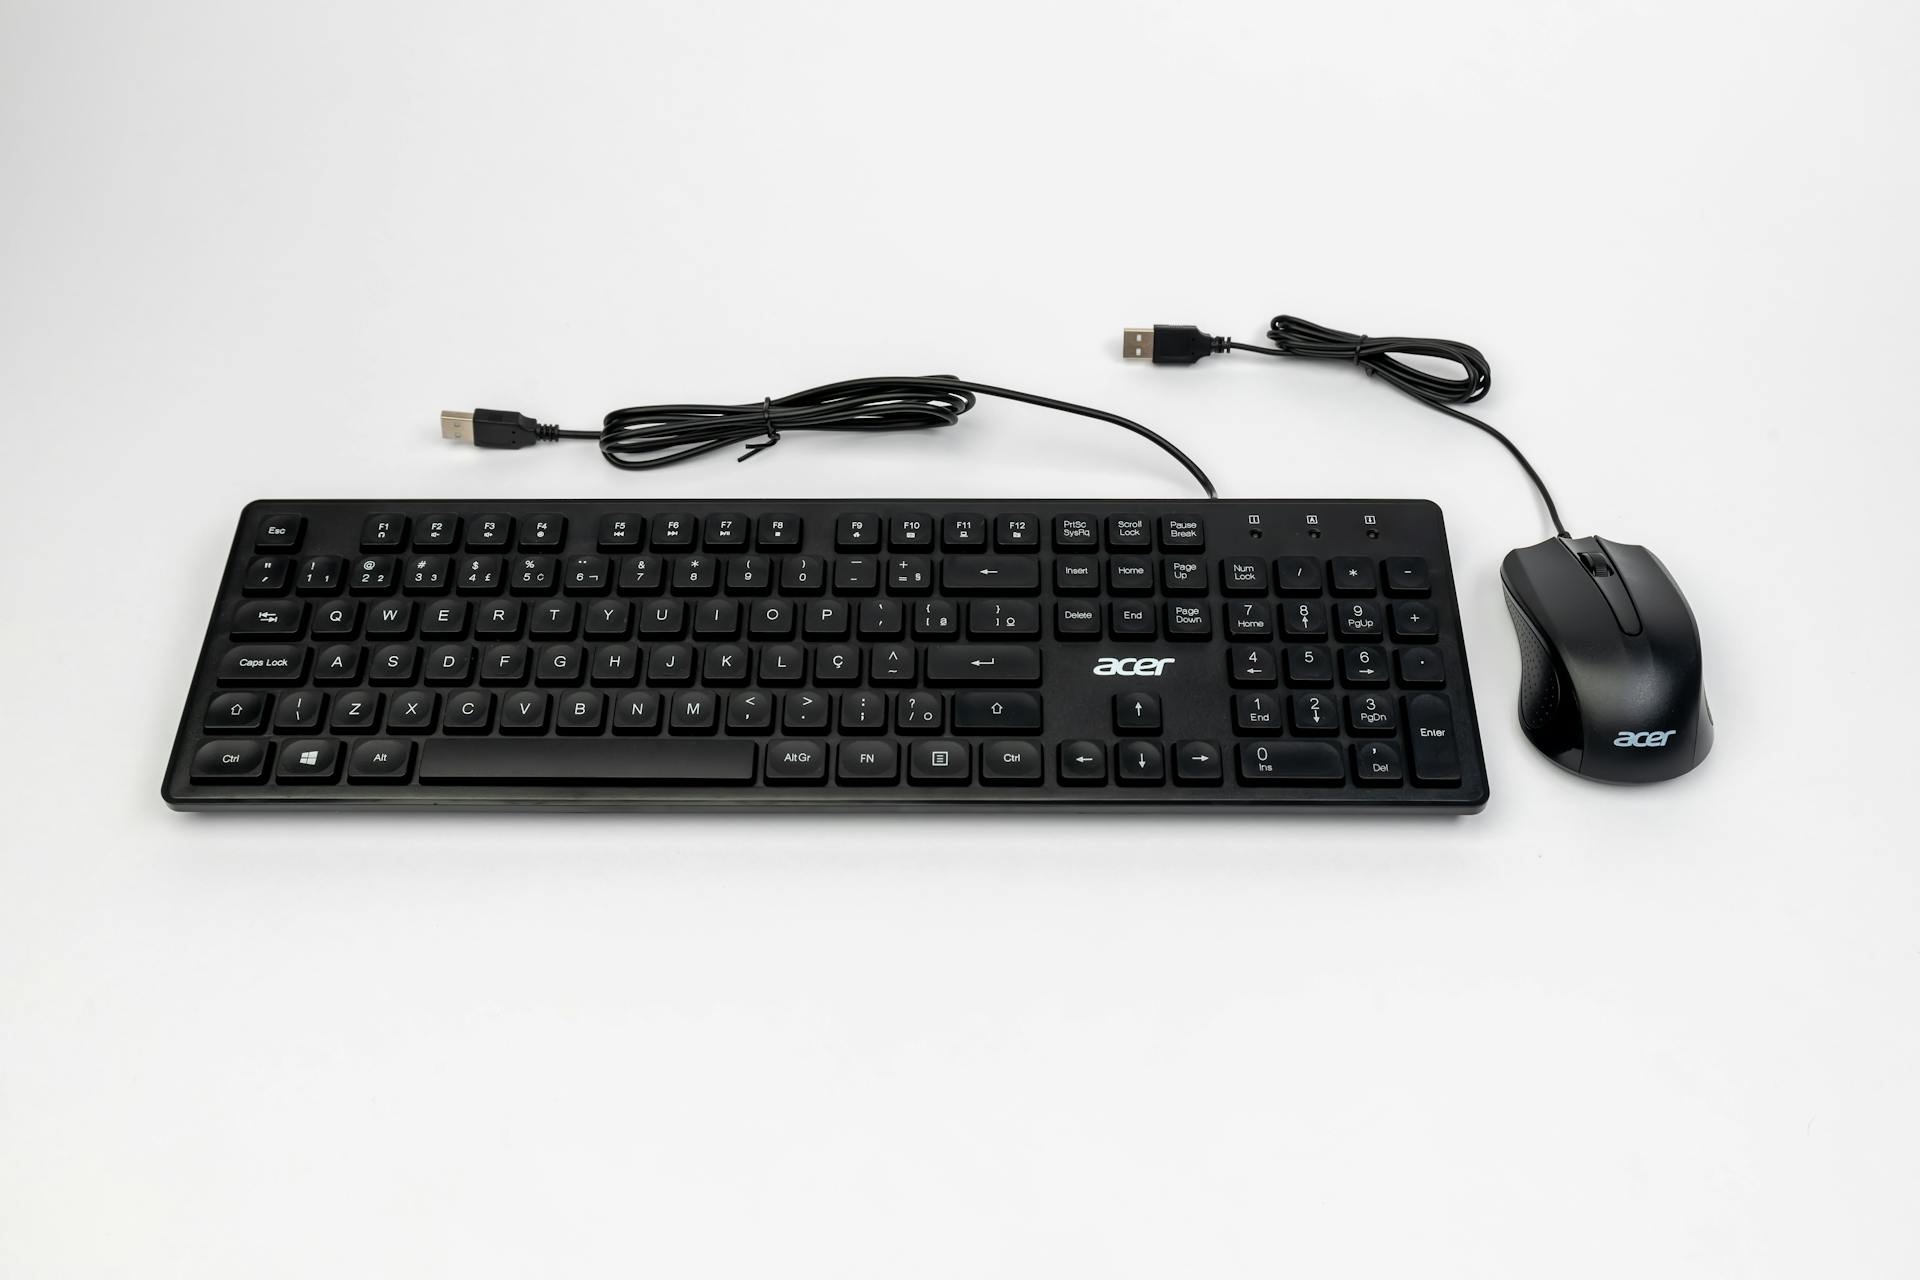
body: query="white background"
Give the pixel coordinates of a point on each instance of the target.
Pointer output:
(249, 251)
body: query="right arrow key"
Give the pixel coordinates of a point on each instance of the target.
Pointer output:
(1197, 764)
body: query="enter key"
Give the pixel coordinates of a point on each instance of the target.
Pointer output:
(1430, 734)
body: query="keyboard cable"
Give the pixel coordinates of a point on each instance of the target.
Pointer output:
(1377, 357)
(659, 435)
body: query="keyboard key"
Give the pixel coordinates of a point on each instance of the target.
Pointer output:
(1011, 763)
(621, 532)
(1371, 713)
(1140, 764)
(1076, 533)
(983, 664)
(1131, 621)
(777, 532)
(1414, 621)
(1016, 532)
(989, 575)
(468, 712)
(299, 712)
(857, 533)
(868, 764)
(806, 712)
(525, 712)
(1314, 714)
(1083, 764)
(251, 664)
(1182, 533)
(489, 533)
(1376, 764)
(384, 532)
(576, 762)
(1351, 576)
(267, 575)
(1197, 764)
(1435, 752)
(1129, 533)
(1407, 576)
(910, 532)
(1136, 712)
(1361, 668)
(543, 533)
(963, 533)
(1422, 667)
(989, 618)
(1360, 621)
(1256, 713)
(940, 762)
(863, 712)
(1309, 666)
(1291, 763)
(1000, 711)
(269, 618)
(229, 761)
(1188, 621)
(725, 530)
(1303, 620)
(279, 533)
(309, 760)
(750, 712)
(919, 712)
(436, 533)
(412, 712)
(1296, 576)
(581, 713)
(236, 713)
(380, 760)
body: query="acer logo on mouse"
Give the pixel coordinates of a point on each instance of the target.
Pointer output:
(1651, 738)
(1132, 666)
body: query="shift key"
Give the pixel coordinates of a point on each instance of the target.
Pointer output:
(1430, 731)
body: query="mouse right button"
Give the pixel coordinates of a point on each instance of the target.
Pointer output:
(1430, 733)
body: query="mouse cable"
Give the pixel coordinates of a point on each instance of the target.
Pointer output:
(1292, 336)
(659, 435)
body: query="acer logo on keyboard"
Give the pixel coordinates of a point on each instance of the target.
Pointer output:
(1651, 738)
(1132, 666)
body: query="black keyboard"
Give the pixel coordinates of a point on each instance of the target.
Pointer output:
(833, 655)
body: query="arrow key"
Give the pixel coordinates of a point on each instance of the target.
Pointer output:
(1083, 764)
(1136, 713)
(1141, 764)
(1196, 764)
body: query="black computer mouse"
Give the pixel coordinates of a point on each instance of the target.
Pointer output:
(1610, 683)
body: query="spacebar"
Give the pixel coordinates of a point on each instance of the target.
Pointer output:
(600, 763)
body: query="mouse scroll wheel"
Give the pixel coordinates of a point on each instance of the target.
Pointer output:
(1596, 565)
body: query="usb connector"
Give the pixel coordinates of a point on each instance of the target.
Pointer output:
(1169, 344)
(493, 428)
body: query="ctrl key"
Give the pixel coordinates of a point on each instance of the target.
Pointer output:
(230, 761)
